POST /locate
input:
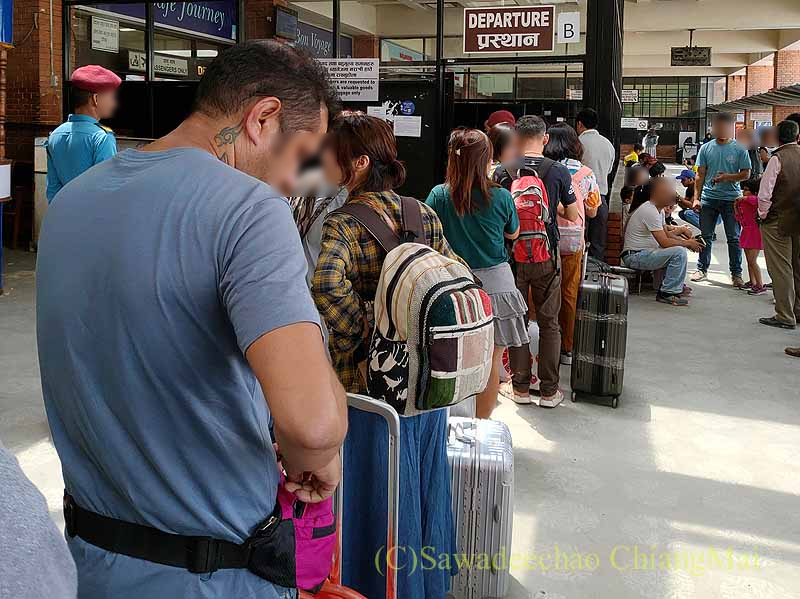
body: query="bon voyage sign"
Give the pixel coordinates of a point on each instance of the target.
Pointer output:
(509, 29)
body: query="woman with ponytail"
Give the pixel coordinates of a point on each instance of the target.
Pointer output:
(478, 216)
(360, 154)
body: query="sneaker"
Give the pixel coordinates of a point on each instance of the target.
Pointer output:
(793, 351)
(551, 401)
(507, 390)
(698, 276)
(672, 299)
(748, 285)
(757, 290)
(774, 322)
(566, 358)
(687, 291)
(738, 282)
(768, 285)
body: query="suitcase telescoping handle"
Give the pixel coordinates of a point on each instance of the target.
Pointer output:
(333, 589)
(372, 406)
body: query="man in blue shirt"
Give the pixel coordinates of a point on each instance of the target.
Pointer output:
(722, 164)
(80, 143)
(175, 324)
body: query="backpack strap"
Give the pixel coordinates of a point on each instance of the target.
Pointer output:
(411, 213)
(376, 225)
(544, 167)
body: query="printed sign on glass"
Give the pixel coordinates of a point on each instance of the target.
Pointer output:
(630, 96)
(509, 29)
(162, 65)
(105, 35)
(356, 79)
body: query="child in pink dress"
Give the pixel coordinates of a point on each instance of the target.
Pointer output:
(746, 209)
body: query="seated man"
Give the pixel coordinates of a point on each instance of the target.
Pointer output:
(686, 213)
(649, 245)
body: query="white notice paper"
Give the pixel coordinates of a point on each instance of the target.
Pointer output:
(378, 111)
(105, 35)
(356, 79)
(407, 126)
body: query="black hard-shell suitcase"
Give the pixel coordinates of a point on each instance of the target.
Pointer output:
(601, 333)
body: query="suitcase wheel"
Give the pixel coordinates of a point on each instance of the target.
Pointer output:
(615, 401)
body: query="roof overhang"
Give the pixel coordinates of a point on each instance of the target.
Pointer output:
(785, 96)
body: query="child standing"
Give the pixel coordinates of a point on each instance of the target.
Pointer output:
(746, 209)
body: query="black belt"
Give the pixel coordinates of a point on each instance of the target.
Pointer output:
(199, 555)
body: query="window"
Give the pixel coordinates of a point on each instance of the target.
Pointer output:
(187, 35)
(114, 40)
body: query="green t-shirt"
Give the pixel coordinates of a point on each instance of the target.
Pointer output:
(478, 236)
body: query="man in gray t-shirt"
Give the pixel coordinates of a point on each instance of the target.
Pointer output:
(171, 301)
(651, 245)
(34, 561)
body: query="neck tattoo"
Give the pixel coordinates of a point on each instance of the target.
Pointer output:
(227, 137)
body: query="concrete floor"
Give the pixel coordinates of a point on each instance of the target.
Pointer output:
(701, 455)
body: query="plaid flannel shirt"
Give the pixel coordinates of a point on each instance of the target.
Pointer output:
(346, 279)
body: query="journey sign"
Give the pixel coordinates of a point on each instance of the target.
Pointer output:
(509, 29)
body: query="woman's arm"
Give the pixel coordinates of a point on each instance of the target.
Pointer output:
(338, 303)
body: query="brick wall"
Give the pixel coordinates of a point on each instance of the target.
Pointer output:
(33, 96)
(615, 239)
(33, 101)
(366, 46)
(260, 18)
(760, 79)
(779, 113)
(736, 87)
(787, 68)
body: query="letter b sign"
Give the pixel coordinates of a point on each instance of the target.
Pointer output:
(569, 27)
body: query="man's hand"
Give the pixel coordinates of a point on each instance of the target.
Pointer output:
(720, 178)
(683, 231)
(313, 487)
(693, 245)
(696, 205)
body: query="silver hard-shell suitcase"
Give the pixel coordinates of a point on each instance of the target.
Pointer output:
(481, 458)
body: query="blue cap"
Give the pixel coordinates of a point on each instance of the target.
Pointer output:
(687, 174)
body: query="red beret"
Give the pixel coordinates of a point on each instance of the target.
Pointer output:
(500, 116)
(94, 78)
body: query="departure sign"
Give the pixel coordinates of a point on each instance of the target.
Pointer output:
(509, 29)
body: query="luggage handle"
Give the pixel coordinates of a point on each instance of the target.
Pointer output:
(372, 406)
(456, 431)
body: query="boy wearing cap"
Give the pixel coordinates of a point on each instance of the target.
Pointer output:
(80, 143)
(686, 203)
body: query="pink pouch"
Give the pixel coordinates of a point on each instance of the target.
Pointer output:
(294, 547)
(314, 535)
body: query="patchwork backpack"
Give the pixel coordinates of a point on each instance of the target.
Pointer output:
(434, 329)
(534, 243)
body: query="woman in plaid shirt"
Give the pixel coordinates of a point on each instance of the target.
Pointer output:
(362, 156)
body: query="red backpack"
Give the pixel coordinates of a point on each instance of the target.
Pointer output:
(534, 243)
